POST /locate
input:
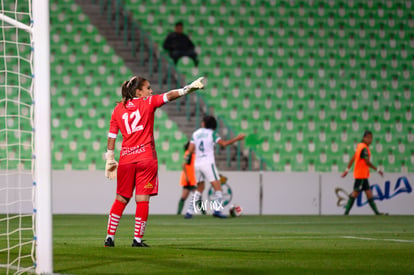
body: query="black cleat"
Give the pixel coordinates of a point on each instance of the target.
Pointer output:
(139, 244)
(109, 242)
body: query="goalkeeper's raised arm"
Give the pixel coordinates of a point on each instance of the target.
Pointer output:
(128, 94)
(193, 86)
(132, 90)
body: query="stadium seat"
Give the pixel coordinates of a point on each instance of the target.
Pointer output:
(86, 90)
(268, 68)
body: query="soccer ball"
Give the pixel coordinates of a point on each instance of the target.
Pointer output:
(235, 210)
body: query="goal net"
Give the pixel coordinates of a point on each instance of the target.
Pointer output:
(18, 177)
(16, 140)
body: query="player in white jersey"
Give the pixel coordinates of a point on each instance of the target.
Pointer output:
(202, 143)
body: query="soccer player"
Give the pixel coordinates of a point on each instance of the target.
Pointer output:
(188, 179)
(361, 173)
(138, 165)
(202, 143)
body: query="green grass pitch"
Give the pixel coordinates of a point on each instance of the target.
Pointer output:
(243, 245)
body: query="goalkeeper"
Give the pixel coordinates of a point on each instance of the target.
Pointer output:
(138, 165)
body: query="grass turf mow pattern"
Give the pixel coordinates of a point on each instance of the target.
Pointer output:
(243, 245)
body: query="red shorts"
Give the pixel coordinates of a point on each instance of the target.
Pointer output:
(142, 175)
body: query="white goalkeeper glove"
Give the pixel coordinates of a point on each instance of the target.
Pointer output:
(111, 165)
(195, 85)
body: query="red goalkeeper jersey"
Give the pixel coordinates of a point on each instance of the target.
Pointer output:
(135, 120)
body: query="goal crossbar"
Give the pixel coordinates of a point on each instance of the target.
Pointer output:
(14, 22)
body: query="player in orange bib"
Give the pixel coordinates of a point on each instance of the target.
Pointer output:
(188, 179)
(137, 171)
(361, 173)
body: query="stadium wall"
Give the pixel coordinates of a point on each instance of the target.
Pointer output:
(89, 192)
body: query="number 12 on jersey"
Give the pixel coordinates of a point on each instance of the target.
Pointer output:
(134, 127)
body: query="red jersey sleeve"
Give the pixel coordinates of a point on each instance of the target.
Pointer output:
(156, 101)
(113, 125)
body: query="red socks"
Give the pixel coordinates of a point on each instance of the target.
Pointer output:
(141, 217)
(114, 216)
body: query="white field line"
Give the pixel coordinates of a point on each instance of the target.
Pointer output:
(375, 239)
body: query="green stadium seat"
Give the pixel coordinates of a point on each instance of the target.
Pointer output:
(345, 50)
(85, 90)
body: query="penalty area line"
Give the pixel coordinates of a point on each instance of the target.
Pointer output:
(376, 239)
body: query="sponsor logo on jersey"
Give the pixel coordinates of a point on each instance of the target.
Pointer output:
(148, 185)
(133, 150)
(130, 105)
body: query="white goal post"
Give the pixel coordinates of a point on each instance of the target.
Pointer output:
(40, 117)
(42, 134)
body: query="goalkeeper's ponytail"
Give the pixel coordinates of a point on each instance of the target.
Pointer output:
(129, 88)
(124, 92)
